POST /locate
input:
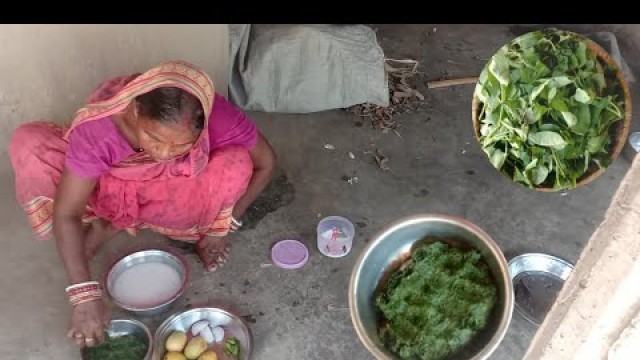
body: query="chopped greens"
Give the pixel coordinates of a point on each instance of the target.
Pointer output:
(232, 347)
(436, 302)
(127, 347)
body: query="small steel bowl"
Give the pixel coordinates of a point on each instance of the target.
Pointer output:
(537, 281)
(392, 246)
(233, 325)
(121, 327)
(142, 257)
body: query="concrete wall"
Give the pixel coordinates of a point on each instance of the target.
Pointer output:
(49, 70)
(597, 312)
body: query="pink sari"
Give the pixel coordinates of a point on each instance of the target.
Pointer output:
(185, 198)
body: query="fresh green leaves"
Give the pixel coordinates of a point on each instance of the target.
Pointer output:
(547, 106)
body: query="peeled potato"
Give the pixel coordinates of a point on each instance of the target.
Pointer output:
(195, 348)
(176, 341)
(174, 356)
(208, 355)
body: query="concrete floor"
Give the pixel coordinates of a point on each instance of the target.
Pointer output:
(436, 166)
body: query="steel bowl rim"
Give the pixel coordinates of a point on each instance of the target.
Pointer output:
(144, 328)
(547, 257)
(179, 258)
(228, 313)
(509, 300)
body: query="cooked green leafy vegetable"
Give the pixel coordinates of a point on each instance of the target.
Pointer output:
(232, 347)
(436, 302)
(127, 347)
(548, 104)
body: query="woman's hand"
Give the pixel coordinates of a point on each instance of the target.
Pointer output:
(88, 323)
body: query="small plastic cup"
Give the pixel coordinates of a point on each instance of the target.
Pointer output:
(335, 236)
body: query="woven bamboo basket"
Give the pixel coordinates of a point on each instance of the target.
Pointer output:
(618, 131)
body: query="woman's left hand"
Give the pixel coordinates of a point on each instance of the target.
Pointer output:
(88, 323)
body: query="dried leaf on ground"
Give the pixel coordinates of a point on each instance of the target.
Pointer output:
(403, 97)
(381, 160)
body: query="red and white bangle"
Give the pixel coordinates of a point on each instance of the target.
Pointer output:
(84, 292)
(235, 224)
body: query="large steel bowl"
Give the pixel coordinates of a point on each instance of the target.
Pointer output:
(232, 324)
(122, 327)
(392, 246)
(144, 257)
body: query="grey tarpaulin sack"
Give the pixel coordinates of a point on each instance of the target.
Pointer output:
(305, 68)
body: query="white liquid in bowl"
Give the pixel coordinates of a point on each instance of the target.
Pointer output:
(145, 285)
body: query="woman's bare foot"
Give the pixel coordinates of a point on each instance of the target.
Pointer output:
(99, 231)
(213, 252)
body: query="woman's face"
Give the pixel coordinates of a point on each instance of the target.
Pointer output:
(165, 141)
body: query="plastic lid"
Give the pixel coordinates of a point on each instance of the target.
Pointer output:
(289, 254)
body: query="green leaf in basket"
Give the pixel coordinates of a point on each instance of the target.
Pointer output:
(559, 81)
(582, 96)
(547, 139)
(583, 117)
(499, 67)
(497, 158)
(539, 174)
(569, 118)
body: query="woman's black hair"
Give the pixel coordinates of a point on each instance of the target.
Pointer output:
(171, 104)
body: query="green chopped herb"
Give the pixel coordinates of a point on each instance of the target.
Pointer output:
(232, 347)
(436, 302)
(127, 347)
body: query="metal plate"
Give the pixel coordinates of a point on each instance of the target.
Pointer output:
(171, 259)
(537, 280)
(234, 326)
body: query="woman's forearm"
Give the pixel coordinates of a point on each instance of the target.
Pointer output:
(69, 233)
(257, 184)
(264, 163)
(69, 205)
